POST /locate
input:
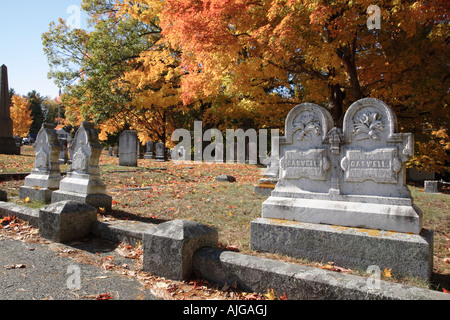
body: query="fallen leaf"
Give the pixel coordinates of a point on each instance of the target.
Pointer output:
(445, 291)
(387, 273)
(15, 266)
(105, 296)
(270, 294)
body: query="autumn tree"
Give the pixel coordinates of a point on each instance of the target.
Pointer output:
(21, 115)
(271, 54)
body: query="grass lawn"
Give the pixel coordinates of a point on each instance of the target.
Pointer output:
(189, 191)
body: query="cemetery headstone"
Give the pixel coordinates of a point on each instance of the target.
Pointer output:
(3, 196)
(7, 141)
(270, 176)
(110, 151)
(128, 149)
(45, 176)
(64, 154)
(149, 150)
(83, 182)
(160, 152)
(116, 152)
(431, 186)
(335, 183)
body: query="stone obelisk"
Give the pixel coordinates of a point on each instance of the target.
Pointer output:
(7, 142)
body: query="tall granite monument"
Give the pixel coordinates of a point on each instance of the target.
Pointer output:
(342, 193)
(7, 142)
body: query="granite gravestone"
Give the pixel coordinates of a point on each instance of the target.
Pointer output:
(45, 176)
(128, 149)
(83, 183)
(351, 179)
(431, 186)
(7, 141)
(149, 150)
(270, 175)
(160, 152)
(64, 154)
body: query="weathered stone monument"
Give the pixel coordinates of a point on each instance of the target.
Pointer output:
(270, 176)
(342, 194)
(64, 154)
(128, 149)
(149, 150)
(160, 152)
(45, 176)
(83, 183)
(7, 141)
(431, 186)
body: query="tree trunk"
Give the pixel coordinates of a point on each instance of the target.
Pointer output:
(336, 99)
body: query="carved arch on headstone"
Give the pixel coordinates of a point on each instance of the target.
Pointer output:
(309, 120)
(369, 119)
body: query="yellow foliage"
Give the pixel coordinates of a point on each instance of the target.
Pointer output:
(20, 115)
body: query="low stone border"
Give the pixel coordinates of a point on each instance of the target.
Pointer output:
(255, 274)
(21, 212)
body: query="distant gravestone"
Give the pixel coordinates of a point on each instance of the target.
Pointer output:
(45, 176)
(431, 186)
(64, 154)
(7, 141)
(128, 146)
(3, 196)
(116, 152)
(160, 152)
(149, 150)
(83, 182)
(335, 182)
(270, 176)
(110, 151)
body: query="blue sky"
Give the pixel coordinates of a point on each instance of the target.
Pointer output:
(22, 23)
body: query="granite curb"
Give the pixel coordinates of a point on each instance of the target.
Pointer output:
(259, 274)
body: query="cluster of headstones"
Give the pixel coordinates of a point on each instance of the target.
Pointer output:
(82, 183)
(128, 151)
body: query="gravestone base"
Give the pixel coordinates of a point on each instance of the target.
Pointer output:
(96, 200)
(8, 146)
(264, 188)
(383, 216)
(36, 194)
(355, 248)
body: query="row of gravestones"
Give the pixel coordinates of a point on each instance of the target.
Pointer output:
(128, 151)
(82, 183)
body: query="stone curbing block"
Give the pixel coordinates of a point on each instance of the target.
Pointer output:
(298, 282)
(66, 221)
(24, 213)
(169, 247)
